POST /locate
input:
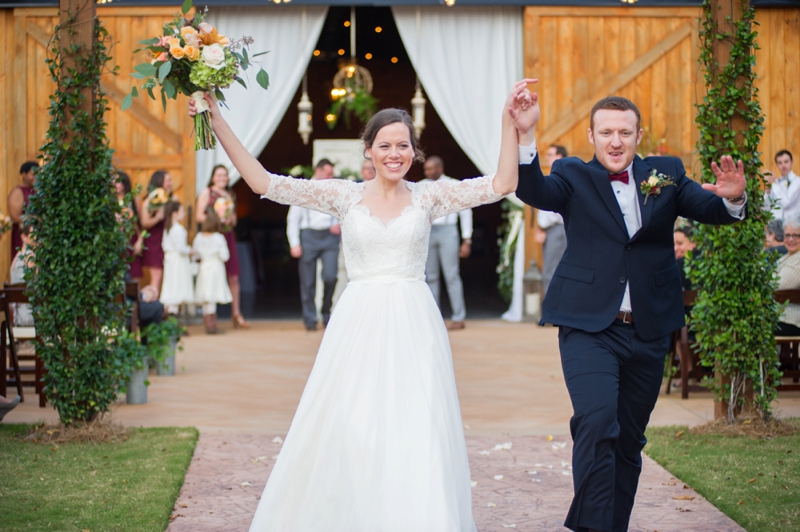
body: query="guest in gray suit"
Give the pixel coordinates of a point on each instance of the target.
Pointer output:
(550, 231)
(446, 248)
(315, 236)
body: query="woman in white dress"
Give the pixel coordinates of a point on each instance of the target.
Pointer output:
(177, 287)
(377, 442)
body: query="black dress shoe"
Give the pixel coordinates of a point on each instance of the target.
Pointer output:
(311, 326)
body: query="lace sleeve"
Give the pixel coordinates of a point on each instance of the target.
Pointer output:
(331, 196)
(444, 197)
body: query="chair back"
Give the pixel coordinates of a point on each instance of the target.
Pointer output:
(689, 297)
(788, 296)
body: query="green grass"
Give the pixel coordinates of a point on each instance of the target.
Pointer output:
(755, 482)
(126, 486)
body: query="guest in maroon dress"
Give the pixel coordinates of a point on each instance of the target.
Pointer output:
(18, 201)
(218, 188)
(152, 221)
(123, 187)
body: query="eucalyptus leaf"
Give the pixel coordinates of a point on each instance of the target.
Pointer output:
(164, 70)
(127, 101)
(169, 88)
(263, 78)
(260, 53)
(219, 95)
(187, 5)
(134, 91)
(146, 69)
(150, 42)
(241, 82)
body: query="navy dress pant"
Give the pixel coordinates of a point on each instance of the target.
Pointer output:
(613, 378)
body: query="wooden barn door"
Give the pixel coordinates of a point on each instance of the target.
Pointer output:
(581, 55)
(144, 137)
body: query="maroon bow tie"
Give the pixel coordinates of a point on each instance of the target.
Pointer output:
(622, 176)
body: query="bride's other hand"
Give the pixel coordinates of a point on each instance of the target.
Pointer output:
(523, 108)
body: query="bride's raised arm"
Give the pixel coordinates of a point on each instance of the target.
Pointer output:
(247, 165)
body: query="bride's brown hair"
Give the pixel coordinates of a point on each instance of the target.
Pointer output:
(383, 118)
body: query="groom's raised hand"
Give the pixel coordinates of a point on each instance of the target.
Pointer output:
(523, 108)
(730, 180)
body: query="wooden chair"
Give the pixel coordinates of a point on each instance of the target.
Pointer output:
(789, 360)
(132, 294)
(18, 294)
(688, 363)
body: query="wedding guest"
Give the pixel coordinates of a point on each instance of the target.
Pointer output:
(773, 240)
(23, 317)
(783, 193)
(367, 170)
(7, 405)
(446, 248)
(211, 287)
(123, 188)
(550, 228)
(18, 201)
(219, 189)
(315, 236)
(788, 272)
(152, 221)
(177, 288)
(682, 236)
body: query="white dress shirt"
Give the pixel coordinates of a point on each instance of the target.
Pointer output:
(300, 218)
(548, 219)
(783, 197)
(452, 219)
(629, 205)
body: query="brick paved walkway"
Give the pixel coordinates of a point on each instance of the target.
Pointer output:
(228, 473)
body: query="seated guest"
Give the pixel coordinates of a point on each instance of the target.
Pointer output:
(774, 237)
(24, 257)
(789, 275)
(683, 243)
(7, 405)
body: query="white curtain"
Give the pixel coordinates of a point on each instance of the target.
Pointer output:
(254, 113)
(467, 59)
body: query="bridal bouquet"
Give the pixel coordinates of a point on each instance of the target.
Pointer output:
(192, 57)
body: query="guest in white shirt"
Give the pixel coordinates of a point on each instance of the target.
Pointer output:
(315, 236)
(550, 231)
(445, 248)
(783, 193)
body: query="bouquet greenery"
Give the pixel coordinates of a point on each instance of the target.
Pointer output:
(192, 57)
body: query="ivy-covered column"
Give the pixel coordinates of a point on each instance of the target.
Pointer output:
(735, 315)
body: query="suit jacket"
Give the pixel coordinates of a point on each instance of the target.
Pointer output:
(589, 282)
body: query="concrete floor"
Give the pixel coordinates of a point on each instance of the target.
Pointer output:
(249, 382)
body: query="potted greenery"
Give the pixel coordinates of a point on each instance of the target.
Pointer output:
(162, 343)
(133, 357)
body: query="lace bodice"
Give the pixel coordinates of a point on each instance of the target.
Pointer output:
(377, 250)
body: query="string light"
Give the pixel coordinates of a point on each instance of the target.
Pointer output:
(368, 56)
(378, 29)
(394, 60)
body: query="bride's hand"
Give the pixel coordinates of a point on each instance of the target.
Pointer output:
(213, 107)
(523, 107)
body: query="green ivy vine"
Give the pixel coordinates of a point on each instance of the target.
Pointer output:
(735, 316)
(80, 236)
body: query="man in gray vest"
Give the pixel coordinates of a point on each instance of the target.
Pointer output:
(315, 236)
(446, 248)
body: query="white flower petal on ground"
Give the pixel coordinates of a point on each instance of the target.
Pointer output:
(484, 453)
(491, 505)
(498, 477)
(473, 483)
(275, 457)
(564, 464)
(549, 467)
(277, 439)
(536, 480)
(466, 427)
(259, 459)
(566, 473)
(538, 465)
(246, 484)
(532, 472)
(510, 526)
(503, 446)
(559, 445)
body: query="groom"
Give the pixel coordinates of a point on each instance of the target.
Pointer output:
(616, 294)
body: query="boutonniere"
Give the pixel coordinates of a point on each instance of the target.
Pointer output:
(653, 185)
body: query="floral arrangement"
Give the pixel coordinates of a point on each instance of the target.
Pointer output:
(224, 208)
(509, 232)
(6, 223)
(193, 58)
(654, 184)
(157, 198)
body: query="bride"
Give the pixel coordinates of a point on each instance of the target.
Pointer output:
(377, 443)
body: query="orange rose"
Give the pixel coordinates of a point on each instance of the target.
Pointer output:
(177, 52)
(173, 42)
(223, 41)
(161, 57)
(187, 30)
(192, 53)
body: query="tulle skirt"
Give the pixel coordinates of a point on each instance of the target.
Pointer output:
(211, 285)
(377, 443)
(177, 287)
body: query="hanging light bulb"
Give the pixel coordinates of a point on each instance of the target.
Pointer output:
(304, 108)
(418, 111)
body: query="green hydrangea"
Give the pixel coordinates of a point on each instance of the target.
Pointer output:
(207, 78)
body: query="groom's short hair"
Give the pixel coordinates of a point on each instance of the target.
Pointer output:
(616, 103)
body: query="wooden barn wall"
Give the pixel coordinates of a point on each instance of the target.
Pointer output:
(144, 137)
(649, 55)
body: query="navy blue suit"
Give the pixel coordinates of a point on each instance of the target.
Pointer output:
(613, 370)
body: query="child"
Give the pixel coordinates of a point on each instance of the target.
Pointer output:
(177, 286)
(212, 283)
(24, 257)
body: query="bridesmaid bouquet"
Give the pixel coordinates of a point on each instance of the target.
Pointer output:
(5, 223)
(157, 198)
(192, 57)
(223, 207)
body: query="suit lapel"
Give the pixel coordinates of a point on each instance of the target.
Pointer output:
(599, 177)
(641, 172)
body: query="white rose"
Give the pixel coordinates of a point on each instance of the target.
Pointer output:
(214, 56)
(653, 180)
(205, 27)
(193, 39)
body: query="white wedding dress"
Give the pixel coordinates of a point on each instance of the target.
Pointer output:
(377, 443)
